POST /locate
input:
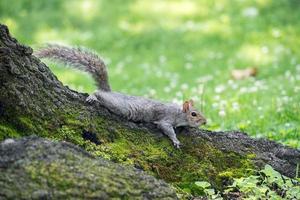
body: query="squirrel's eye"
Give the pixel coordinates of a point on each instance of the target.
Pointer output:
(194, 114)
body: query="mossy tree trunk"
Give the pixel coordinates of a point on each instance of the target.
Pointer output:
(33, 101)
(36, 168)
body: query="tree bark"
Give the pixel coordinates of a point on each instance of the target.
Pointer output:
(36, 168)
(33, 101)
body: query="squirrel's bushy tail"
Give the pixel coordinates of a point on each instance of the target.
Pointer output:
(79, 58)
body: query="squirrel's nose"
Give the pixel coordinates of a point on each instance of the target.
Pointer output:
(204, 122)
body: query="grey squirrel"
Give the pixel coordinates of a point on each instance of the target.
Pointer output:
(166, 116)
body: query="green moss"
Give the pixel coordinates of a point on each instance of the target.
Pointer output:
(74, 122)
(26, 123)
(251, 156)
(21, 126)
(7, 132)
(198, 160)
(54, 172)
(68, 134)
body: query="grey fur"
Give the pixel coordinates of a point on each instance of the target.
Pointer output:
(80, 58)
(165, 115)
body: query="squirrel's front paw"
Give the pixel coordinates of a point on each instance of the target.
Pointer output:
(176, 144)
(92, 98)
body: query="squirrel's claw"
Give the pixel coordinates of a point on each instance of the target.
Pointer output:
(92, 98)
(176, 144)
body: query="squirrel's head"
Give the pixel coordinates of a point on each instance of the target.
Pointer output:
(194, 117)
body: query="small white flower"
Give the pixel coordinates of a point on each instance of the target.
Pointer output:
(200, 89)
(215, 105)
(223, 103)
(152, 92)
(167, 89)
(146, 67)
(188, 66)
(279, 49)
(287, 74)
(276, 33)
(250, 12)
(119, 67)
(222, 113)
(230, 82)
(254, 102)
(178, 94)
(159, 74)
(235, 106)
(177, 101)
(279, 109)
(296, 89)
(173, 83)
(259, 108)
(162, 59)
(194, 90)
(184, 86)
(258, 83)
(253, 89)
(208, 120)
(196, 99)
(243, 90)
(204, 79)
(285, 99)
(190, 25)
(211, 55)
(287, 124)
(220, 88)
(234, 86)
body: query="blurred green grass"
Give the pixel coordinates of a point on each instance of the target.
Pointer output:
(172, 50)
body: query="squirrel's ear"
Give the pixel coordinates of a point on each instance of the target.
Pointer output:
(185, 106)
(191, 102)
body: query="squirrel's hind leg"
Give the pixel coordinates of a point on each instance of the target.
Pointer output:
(169, 131)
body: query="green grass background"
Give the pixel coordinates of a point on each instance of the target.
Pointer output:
(174, 50)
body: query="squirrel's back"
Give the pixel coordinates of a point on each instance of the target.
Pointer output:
(80, 58)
